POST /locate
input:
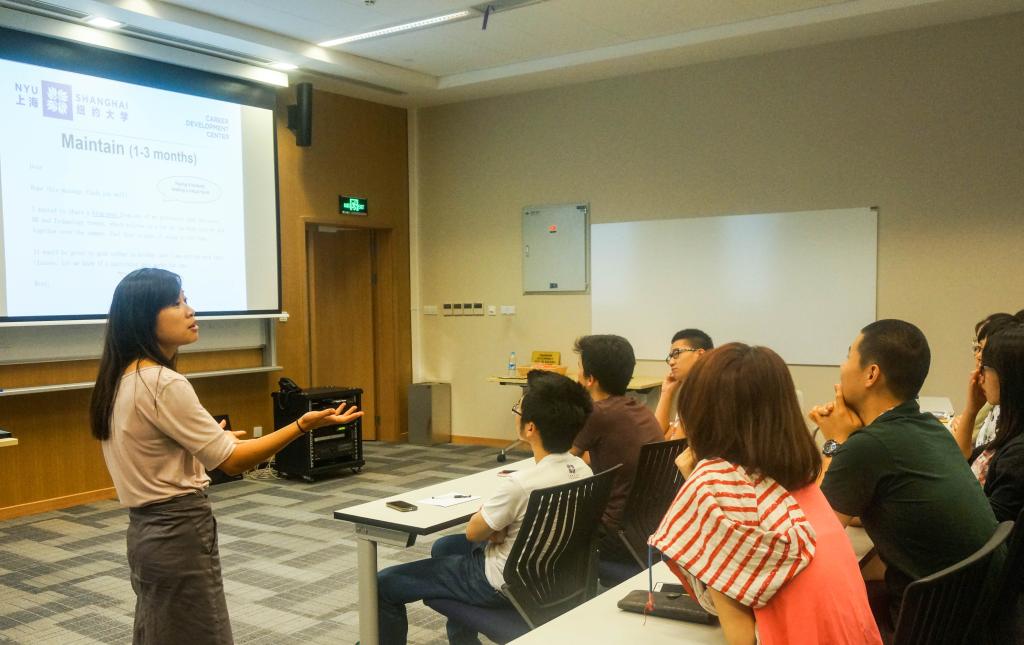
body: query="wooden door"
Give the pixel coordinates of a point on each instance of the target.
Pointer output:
(341, 313)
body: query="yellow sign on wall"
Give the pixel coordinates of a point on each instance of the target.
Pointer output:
(546, 358)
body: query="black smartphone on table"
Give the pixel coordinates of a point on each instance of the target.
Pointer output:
(399, 505)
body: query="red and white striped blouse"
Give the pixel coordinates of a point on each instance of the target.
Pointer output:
(739, 533)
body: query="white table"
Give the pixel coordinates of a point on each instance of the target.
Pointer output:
(601, 621)
(378, 524)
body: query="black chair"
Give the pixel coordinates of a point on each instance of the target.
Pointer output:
(655, 485)
(553, 563)
(1007, 624)
(946, 607)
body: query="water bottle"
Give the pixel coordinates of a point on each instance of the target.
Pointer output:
(512, 364)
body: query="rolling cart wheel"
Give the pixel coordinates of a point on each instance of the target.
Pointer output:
(357, 469)
(502, 457)
(307, 478)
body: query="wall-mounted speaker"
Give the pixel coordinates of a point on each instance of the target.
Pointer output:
(300, 115)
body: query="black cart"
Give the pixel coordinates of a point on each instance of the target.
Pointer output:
(325, 450)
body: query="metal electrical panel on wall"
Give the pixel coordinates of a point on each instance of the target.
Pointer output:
(556, 248)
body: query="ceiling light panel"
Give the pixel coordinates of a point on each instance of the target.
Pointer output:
(102, 23)
(319, 20)
(535, 31)
(396, 29)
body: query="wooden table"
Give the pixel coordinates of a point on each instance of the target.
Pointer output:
(641, 384)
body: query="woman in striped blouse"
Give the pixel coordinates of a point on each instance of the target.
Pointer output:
(750, 534)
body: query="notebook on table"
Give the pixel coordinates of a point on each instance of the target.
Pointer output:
(671, 602)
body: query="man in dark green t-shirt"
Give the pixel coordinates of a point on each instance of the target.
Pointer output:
(896, 468)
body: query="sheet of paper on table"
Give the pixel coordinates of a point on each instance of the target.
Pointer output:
(448, 499)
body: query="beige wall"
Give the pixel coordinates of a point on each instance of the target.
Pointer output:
(926, 125)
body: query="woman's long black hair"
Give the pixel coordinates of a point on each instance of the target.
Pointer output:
(1004, 353)
(130, 336)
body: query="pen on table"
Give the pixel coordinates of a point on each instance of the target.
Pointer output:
(455, 496)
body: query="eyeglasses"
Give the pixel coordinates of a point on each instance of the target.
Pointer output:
(677, 352)
(976, 347)
(517, 407)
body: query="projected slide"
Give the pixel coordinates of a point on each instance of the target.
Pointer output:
(99, 177)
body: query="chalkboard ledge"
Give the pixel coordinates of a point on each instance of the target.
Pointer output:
(61, 387)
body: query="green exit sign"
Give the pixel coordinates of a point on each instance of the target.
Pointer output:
(352, 205)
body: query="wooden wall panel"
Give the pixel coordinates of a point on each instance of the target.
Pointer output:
(342, 325)
(359, 148)
(56, 458)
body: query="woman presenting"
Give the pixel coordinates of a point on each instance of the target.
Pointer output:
(158, 441)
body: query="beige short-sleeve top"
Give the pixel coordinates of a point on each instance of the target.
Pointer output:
(162, 440)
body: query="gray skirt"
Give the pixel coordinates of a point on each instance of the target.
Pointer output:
(175, 569)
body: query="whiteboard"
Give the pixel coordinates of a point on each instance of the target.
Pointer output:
(801, 283)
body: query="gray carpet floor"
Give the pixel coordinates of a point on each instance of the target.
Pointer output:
(289, 567)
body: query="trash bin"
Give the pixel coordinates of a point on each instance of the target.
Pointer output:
(430, 413)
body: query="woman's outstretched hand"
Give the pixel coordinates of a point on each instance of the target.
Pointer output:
(329, 417)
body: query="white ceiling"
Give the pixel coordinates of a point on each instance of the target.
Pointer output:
(543, 43)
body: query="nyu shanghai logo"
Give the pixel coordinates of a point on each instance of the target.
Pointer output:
(57, 101)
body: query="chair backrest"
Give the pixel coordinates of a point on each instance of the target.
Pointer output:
(941, 609)
(655, 485)
(552, 566)
(1013, 578)
(1006, 612)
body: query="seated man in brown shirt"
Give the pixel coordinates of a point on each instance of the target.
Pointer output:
(616, 428)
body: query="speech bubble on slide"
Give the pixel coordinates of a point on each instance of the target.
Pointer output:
(191, 190)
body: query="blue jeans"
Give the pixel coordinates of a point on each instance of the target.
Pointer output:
(454, 570)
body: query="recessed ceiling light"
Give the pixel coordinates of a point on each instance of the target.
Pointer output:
(284, 67)
(387, 31)
(103, 23)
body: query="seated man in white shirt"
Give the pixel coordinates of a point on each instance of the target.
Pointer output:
(469, 567)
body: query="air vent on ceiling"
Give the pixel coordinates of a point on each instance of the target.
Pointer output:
(191, 45)
(354, 81)
(43, 9)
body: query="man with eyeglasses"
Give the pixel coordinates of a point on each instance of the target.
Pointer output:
(468, 566)
(688, 345)
(615, 430)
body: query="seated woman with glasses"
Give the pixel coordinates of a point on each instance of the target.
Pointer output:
(975, 426)
(999, 464)
(687, 346)
(750, 534)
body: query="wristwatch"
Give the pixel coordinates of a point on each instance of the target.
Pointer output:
(830, 447)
